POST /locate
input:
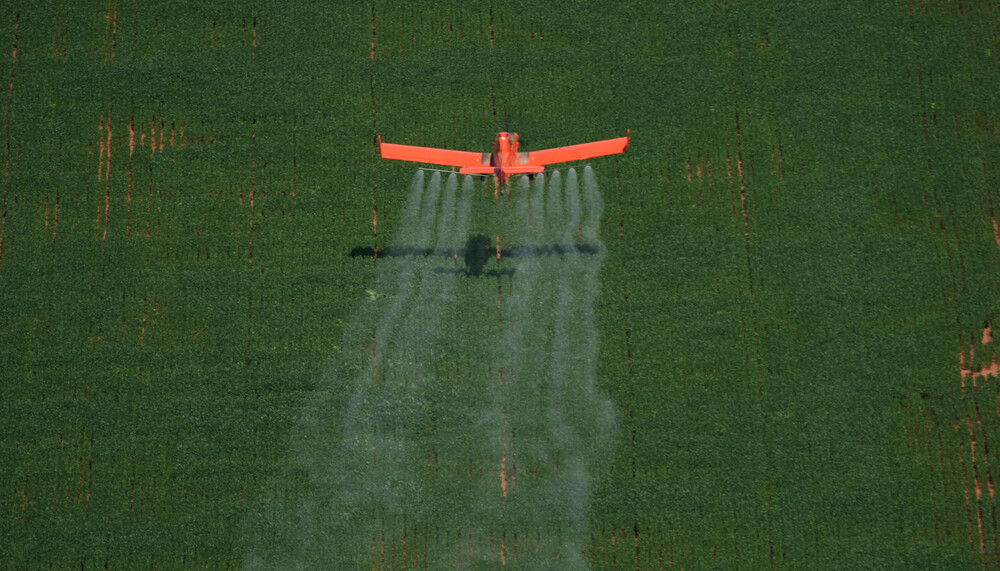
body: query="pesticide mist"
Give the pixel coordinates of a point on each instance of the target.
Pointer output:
(459, 421)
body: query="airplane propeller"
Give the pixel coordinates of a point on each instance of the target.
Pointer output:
(508, 126)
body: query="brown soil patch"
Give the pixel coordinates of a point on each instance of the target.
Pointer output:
(142, 332)
(114, 35)
(100, 156)
(111, 32)
(3, 226)
(991, 370)
(972, 453)
(55, 220)
(503, 548)
(975, 464)
(986, 455)
(965, 480)
(503, 471)
(107, 166)
(996, 228)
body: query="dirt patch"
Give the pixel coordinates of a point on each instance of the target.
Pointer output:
(975, 463)
(743, 184)
(503, 548)
(965, 480)
(971, 454)
(3, 226)
(111, 32)
(991, 370)
(503, 472)
(107, 167)
(986, 457)
(100, 155)
(107, 212)
(55, 220)
(996, 228)
(978, 484)
(373, 32)
(145, 316)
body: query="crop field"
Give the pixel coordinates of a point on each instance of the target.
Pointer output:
(231, 336)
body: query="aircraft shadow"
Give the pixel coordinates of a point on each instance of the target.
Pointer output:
(477, 252)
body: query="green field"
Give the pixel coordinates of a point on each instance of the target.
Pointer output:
(231, 336)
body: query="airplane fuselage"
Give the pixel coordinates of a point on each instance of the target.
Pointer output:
(505, 154)
(505, 149)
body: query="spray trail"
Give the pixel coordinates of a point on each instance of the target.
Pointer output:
(405, 465)
(355, 443)
(556, 429)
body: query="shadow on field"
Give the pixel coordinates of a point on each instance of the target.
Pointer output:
(477, 252)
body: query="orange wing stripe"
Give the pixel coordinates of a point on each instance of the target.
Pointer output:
(429, 155)
(578, 152)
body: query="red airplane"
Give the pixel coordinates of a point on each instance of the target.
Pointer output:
(505, 159)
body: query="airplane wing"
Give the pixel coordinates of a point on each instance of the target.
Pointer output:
(432, 156)
(575, 152)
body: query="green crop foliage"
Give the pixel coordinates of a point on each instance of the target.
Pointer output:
(232, 336)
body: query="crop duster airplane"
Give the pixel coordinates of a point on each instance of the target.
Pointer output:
(505, 159)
